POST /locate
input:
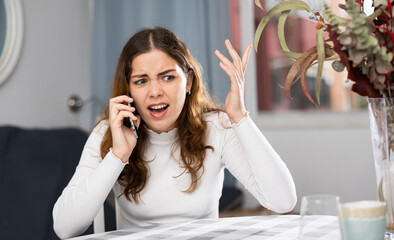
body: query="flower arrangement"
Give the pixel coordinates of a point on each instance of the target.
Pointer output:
(362, 44)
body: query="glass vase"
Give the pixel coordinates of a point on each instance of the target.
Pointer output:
(381, 115)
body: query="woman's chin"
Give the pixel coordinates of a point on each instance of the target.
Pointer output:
(158, 128)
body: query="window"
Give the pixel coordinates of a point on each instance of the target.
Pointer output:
(272, 67)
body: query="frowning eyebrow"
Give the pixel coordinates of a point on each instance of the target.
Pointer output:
(160, 74)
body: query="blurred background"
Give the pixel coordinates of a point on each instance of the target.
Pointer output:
(70, 48)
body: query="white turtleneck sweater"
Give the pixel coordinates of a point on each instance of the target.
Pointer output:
(241, 148)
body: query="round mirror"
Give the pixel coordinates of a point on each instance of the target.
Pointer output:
(11, 35)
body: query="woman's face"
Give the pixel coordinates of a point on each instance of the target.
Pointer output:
(158, 86)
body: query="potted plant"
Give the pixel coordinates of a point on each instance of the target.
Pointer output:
(364, 46)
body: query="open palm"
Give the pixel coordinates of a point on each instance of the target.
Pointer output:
(235, 100)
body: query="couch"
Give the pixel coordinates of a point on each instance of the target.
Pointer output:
(35, 166)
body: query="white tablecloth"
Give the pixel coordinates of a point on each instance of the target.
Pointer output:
(276, 227)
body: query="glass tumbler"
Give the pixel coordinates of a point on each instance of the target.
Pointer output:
(317, 207)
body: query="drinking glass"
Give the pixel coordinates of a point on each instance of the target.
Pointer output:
(363, 220)
(312, 207)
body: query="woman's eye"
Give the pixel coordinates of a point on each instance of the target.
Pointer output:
(139, 82)
(168, 78)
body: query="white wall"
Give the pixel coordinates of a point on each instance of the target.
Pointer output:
(54, 63)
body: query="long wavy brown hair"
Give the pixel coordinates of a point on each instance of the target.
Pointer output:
(191, 125)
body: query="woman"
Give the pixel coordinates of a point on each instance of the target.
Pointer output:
(174, 170)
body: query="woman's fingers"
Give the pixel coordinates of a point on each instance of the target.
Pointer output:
(223, 58)
(118, 104)
(227, 66)
(125, 114)
(117, 122)
(236, 60)
(234, 55)
(123, 107)
(123, 139)
(230, 71)
(137, 121)
(121, 98)
(238, 63)
(245, 57)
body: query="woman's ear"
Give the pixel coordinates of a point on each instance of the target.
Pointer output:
(189, 81)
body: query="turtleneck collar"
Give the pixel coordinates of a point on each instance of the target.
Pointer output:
(164, 137)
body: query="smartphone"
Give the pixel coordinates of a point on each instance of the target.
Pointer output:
(133, 105)
(130, 123)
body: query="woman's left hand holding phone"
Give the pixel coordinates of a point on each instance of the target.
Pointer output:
(123, 138)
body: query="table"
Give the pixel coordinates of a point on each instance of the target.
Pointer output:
(278, 227)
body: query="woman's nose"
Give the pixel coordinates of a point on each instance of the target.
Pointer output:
(155, 89)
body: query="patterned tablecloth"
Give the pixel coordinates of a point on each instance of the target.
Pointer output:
(276, 227)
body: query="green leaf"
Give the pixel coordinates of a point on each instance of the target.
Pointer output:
(281, 36)
(283, 6)
(292, 55)
(334, 19)
(380, 190)
(361, 31)
(387, 56)
(372, 41)
(258, 4)
(353, 25)
(320, 58)
(374, 15)
(281, 30)
(360, 21)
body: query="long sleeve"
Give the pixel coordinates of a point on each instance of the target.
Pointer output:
(252, 160)
(86, 192)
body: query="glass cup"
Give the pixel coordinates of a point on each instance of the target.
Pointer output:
(312, 209)
(363, 220)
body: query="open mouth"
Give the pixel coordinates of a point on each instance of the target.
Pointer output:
(159, 108)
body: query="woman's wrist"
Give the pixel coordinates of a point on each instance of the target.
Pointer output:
(124, 160)
(237, 118)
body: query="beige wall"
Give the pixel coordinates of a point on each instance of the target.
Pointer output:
(54, 63)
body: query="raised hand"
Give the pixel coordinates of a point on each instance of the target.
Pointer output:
(123, 138)
(235, 100)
